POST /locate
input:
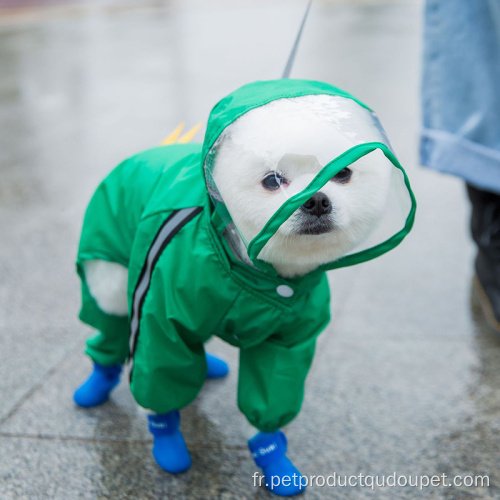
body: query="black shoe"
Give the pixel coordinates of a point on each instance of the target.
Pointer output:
(485, 227)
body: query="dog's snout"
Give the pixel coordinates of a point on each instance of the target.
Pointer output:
(317, 205)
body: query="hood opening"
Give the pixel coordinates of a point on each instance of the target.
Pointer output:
(365, 208)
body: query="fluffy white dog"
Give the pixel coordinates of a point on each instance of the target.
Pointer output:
(153, 211)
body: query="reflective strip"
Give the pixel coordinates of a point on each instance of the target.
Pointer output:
(168, 230)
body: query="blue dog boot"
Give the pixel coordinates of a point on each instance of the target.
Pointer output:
(169, 448)
(216, 367)
(97, 388)
(280, 475)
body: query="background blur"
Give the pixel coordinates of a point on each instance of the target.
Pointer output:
(406, 378)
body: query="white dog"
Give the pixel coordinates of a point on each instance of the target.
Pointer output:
(188, 286)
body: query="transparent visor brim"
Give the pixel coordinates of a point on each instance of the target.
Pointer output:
(373, 224)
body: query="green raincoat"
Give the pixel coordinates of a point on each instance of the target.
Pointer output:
(153, 214)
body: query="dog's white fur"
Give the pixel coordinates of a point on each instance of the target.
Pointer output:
(295, 137)
(107, 282)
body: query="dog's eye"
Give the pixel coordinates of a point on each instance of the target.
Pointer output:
(343, 176)
(273, 181)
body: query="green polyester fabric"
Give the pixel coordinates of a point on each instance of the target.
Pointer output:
(197, 288)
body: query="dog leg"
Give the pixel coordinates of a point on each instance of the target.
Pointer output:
(281, 477)
(107, 282)
(169, 448)
(96, 389)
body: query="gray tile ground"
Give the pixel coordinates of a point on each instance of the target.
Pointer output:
(406, 378)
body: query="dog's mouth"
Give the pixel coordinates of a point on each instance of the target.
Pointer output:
(317, 225)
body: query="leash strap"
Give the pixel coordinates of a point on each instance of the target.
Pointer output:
(291, 58)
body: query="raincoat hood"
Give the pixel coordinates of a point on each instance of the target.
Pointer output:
(357, 117)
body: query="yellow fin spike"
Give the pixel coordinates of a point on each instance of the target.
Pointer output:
(173, 136)
(189, 135)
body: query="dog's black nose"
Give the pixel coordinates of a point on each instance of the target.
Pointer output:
(317, 205)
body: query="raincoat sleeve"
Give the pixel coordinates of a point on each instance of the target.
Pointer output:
(271, 381)
(168, 369)
(168, 359)
(169, 366)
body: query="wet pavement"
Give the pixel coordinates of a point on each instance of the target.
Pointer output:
(407, 376)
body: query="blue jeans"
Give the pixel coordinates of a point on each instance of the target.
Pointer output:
(461, 90)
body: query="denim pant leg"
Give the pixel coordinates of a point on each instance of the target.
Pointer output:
(461, 90)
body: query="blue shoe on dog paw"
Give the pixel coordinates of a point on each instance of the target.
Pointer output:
(97, 388)
(216, 367)
(269, 452)
(169, 448)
